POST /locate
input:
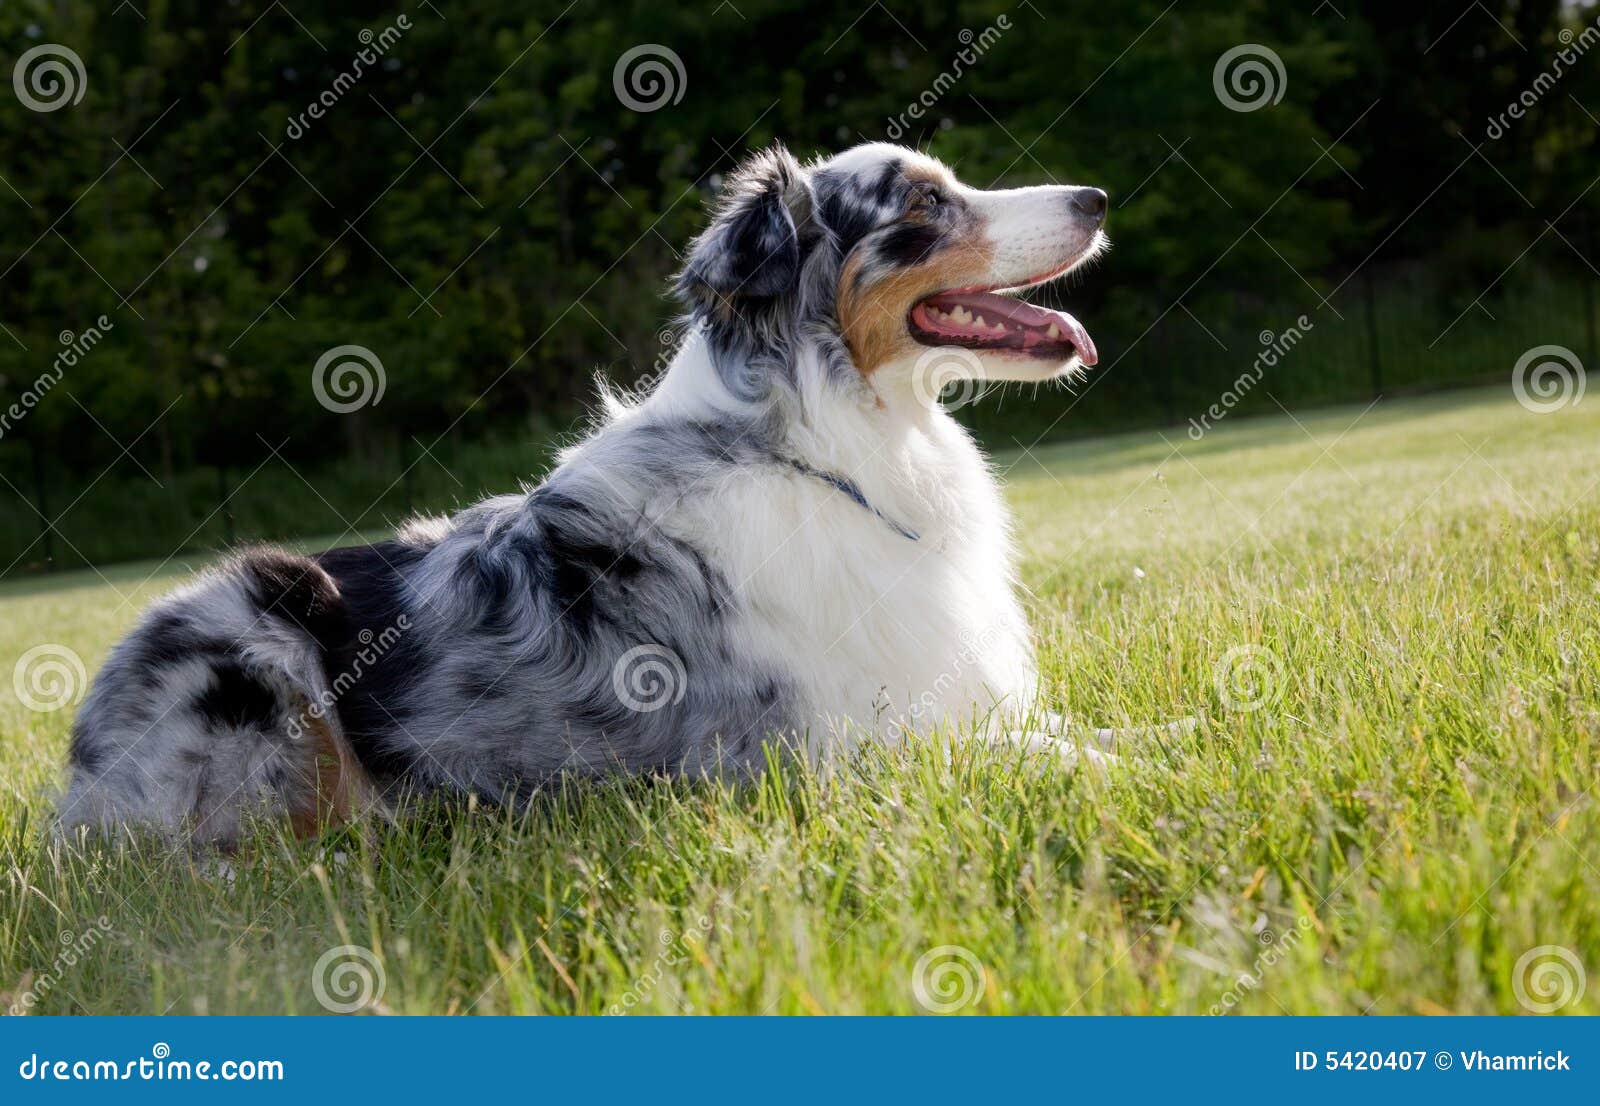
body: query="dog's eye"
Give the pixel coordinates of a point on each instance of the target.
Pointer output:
(928, 196)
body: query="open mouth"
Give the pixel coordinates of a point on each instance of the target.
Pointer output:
(990, 321)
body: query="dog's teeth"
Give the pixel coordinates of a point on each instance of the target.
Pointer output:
(977, 320)
(961, 315)
(1053, 332)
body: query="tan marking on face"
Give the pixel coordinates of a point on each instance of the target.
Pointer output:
(873, 319)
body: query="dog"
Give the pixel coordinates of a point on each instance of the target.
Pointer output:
(787, 541)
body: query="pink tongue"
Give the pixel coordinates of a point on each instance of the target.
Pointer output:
(1075, 333)
(1034, 320)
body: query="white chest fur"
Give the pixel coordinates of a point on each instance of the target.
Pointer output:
(882, 634)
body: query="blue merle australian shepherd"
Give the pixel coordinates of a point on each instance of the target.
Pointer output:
(788, 541)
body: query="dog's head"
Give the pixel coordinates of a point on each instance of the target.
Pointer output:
(883, 247)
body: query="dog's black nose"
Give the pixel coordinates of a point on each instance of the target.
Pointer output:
(1089, 202)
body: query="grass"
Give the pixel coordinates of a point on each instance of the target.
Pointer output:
(1392, 620)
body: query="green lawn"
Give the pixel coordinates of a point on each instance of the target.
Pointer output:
(1391, 620)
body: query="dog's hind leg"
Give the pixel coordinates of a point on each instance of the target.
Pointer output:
(203, 716)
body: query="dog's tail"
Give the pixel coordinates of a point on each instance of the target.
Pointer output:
(218, 706)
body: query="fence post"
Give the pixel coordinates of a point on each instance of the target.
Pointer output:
(1588, 291)
(405, 472)
(1169, 378)
(45, 530)
(1369, 302)
(225, 498)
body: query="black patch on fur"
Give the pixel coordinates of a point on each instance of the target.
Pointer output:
(295, 588)
(853, 209)
(237, 699)
(89, 756)
(764, 250)
(491, 577)
(373, 591)
(483, 685)
(909, 244)
(890, 183)
(168, 639)
(750, 251)
(578, 566)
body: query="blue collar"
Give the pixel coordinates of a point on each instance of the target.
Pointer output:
(853, 491)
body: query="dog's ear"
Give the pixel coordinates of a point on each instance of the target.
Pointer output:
(751, 249)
